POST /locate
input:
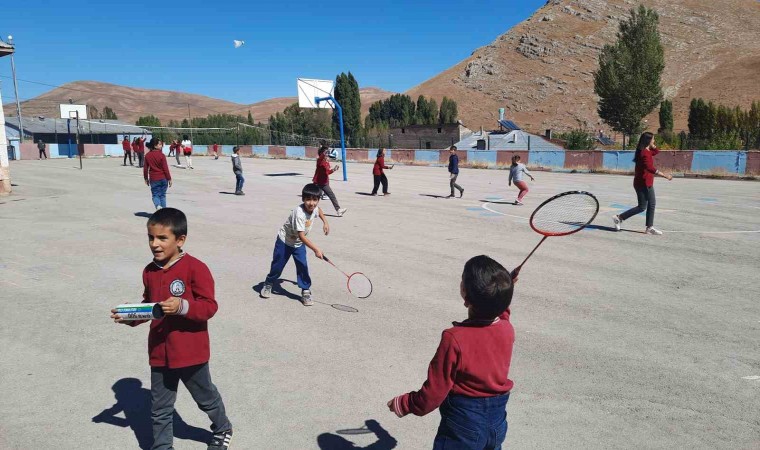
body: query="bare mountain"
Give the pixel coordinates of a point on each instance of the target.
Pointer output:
(541, 70)
(130, 103)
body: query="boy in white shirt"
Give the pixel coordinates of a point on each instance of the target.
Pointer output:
(291, 240)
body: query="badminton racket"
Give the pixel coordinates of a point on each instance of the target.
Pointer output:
(357, 283)
(562, 215)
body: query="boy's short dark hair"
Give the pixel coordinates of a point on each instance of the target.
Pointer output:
(235, 149)
(322, 148)
(310, 190)
(172, 218)
(453, 147)
(488, 287)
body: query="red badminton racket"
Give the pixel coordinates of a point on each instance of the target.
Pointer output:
(357, 283)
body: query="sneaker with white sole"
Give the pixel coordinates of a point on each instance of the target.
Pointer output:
(617, 221)
(342, 211)
(266, 291)
(220, 441)
(306, 298)
(653, 231)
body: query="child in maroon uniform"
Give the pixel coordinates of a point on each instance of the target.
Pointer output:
(468, 377)
(378, 173)
(322, 178)
(127, 147)
(178, 343)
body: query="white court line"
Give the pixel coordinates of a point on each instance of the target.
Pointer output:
(752, 377)
(485, 206)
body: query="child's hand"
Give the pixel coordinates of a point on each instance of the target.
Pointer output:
(514, 275)
(532, 179)
(171, 305)
(318, 253)
(390, 405)
(147, 183)
(170, 183)
(326, 228)
(116, 318)
(669, 177)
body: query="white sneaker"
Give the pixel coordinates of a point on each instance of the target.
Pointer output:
(266, 291)
(616, 220)
(654, 231)
(306, 298)
(342, 211)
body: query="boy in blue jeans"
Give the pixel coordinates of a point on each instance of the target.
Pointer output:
(237, 169)
(291, 240)
(468, 377)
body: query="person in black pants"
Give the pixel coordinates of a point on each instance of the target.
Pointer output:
(41, 147)
(454, 172)
(379, 174)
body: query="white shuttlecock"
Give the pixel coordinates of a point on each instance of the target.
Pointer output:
(238, 44)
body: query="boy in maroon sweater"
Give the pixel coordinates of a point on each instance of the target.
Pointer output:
(156, 172)
(178, 343)
(468, 377)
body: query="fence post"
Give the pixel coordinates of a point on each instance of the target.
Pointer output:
(528, 142)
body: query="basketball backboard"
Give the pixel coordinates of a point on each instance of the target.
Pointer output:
(69, 111)
(309, 90)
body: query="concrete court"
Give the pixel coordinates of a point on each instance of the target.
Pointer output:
(623, 340)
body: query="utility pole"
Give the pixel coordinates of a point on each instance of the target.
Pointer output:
(190, 122)
(15, 89)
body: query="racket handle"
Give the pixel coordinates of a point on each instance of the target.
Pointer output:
(325, 258)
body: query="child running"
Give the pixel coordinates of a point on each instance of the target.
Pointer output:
(379, 174)
(516, 172)
(237, 169)
(291, 240)
(178, 343)
(468, 377)
(322, 178)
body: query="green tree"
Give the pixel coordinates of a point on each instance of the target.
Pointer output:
(426, 112)
(666, 116)
(108, 114)
(448, 113)
(250, 118)
(347, 94)
(628, 78)
(149, 121)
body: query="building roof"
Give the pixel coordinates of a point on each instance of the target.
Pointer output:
(47, 125)
(6, 49)
(445, 126)
(513, 140)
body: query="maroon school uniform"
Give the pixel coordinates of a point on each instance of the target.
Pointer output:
(323, 171)
(377, 169)
(180, 340)
(643, 176)
(472, 360)
(156, 168)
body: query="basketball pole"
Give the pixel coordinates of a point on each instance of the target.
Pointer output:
(342, 138)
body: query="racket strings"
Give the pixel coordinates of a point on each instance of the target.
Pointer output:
(359, 285)
(565, 214)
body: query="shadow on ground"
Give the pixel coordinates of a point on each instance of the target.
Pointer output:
(330, 441)
(133, 401)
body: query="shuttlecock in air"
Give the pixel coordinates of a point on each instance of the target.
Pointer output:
(238, 44)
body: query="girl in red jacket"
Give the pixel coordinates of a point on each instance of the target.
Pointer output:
(643, 183)
(379, 174)
(322, 178)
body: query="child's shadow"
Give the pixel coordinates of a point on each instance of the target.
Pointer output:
(277, 289)
(134, 401)
(329, 441)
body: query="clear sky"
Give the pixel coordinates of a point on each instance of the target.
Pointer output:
(187, 46)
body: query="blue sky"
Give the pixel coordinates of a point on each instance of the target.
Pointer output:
(187, 46)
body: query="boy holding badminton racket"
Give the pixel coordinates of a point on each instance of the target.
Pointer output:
(468, 378)
(178, 343)
(291, 240)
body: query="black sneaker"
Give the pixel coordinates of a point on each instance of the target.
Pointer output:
(220, 441)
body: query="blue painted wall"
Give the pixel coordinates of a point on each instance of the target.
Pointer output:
(295, 152)
(425, 155)
(731, 162)
(262, 150)
(474, 156)
(618, 160)
(226, 149)
(547, 158)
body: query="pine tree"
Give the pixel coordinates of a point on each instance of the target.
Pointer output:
(250, 118)
(628, 79)
(448, 113)
(108, 114)
(666, 116)
(347, 94)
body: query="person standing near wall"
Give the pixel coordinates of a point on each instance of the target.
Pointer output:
(41, 148)
(643, 183)
(127, 147)
(187, 150)
(454, 172)
(378, 173)
(156, 172)
(140, 151)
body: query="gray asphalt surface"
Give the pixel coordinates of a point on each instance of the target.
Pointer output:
(623, 340)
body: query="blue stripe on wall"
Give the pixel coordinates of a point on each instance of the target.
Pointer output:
(114, 150)
(547, 158)
(731, 162)
(262, 150)
(618, 160)
(295, 152)
(425, 155)
(226, 149)
(474, 156)
(200, 149)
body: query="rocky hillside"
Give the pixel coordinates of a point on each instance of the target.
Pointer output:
(130, 103)
(541, 70)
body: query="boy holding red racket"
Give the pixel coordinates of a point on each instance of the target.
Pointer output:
(468, 377)
(291, 240)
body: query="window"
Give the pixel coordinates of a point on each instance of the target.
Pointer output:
(439, 130)
(403, 130)
(427, 144)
